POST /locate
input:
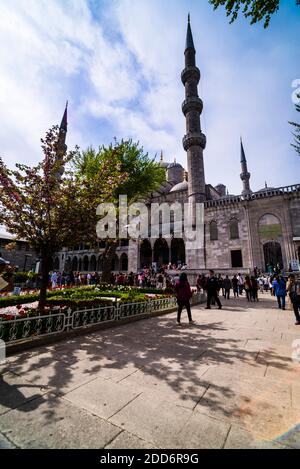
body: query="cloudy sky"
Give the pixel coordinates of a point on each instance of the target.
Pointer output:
(118, 62)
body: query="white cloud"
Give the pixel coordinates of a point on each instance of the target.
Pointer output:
(121, 70)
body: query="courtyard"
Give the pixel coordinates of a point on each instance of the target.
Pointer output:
(228, 381)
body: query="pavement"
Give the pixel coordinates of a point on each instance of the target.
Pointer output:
(232, 380)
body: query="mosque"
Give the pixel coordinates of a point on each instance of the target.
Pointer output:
(253, 229)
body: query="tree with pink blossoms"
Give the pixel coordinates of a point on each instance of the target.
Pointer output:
(50, 206)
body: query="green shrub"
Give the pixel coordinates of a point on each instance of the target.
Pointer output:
(14, 300)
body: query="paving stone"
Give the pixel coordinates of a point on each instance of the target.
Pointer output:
(202, 432)
(126, 440)
(252, 413)
(5, 443)
(158, 422)
(231, 371)
(238, 438)
(55, 423)
(291, 438)
(15, 391)
(102, 397)
(296, 396)
(182, 386)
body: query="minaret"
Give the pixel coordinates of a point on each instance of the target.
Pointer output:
(62, 147)
(194, 141)
(245, 175)
(61, 144)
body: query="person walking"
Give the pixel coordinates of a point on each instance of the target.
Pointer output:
(241, 284)
(212, 287)
(279, 287)
(160, 281)
(261, 284)
(54, 279)
(221, 285)
(248, 288)
(293, 289)
(235, 286)
(199, 283)
(227, 287)
(254, 288)
(183, 295)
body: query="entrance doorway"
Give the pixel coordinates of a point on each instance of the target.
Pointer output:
(273, 255)
(161, 252)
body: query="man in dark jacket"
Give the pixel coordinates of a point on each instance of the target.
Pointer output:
(183, 295)
(212, 290)
(227, 287)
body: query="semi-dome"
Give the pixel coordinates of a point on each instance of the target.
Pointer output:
(182, 186)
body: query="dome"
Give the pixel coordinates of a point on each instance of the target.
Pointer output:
(182, 186)
(175, 165)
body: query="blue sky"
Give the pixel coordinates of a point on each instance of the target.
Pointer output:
(118, 62)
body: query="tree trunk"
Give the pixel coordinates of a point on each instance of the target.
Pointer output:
(107, 261)
(45, 269)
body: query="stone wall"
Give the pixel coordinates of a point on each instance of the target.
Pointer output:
(18, 256)
(218, 252)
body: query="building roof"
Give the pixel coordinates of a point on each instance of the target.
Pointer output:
(182, 186)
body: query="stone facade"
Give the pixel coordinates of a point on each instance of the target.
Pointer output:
(21, 256)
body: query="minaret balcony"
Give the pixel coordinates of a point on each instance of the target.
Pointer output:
(194, 140)
(245, 176)
(190, 74)
(192, 104)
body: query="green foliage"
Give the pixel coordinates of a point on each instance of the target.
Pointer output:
(14, 300)
(296, 134)
(257, 10)
(20, 277)
(141, 175)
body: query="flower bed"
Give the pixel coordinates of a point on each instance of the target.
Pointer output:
(74, 298)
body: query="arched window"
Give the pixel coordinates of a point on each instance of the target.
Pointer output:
(177, 251)
(93, 264)
(234, 229)
(161, 252)
(213, 229)
(124, 262)
(145, 254)
(85, 264)
(115, 263)
(74, 264)
(270, 228)
(100, 264)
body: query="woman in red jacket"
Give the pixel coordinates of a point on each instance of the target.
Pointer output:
(183, 294)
